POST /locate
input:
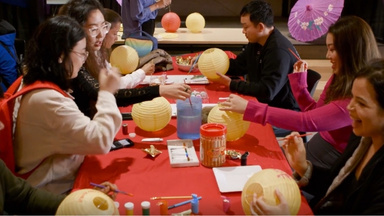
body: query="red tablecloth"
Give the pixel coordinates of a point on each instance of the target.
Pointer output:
(133, 171)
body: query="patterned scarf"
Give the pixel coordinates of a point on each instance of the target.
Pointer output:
(351, 164)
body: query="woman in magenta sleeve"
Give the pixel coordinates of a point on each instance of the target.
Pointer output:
(351, 44)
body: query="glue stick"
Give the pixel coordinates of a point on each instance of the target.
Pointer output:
(129, 208)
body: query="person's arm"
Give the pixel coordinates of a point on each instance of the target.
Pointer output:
(313, 120)
(21, 198)
(133, 79)
(268, 82)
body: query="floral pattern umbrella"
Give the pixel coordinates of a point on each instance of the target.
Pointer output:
(310, 19)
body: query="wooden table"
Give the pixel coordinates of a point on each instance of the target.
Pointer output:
(133, 171)
(231, 39)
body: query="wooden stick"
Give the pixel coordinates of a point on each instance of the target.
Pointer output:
(302, 135)
(294, 54)
(171, 197)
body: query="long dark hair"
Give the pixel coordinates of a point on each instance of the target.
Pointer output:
(355, 45)
(374, 73)
(259, 11)
(80, 11)
(52, 40)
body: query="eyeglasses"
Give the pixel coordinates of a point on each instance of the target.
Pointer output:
(94, 31)
(84, 55)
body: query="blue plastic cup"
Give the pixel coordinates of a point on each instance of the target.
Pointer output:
(189, 118)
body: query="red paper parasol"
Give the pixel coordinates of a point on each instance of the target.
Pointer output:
(310, 19)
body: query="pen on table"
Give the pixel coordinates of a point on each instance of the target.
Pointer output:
(294, 54)
(302, 135)
(194, 63)
(171, 197)
(182, 203)
(117, 191)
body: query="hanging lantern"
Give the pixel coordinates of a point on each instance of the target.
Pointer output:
(195, 22)
(152, 115)
(87, 202)
(170, 22)
(236, 126)
(213, 60)
(264, 183)
(125, 58)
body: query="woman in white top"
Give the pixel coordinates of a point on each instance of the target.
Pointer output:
(52, 135)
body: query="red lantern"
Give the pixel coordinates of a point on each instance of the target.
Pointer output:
(170, 22)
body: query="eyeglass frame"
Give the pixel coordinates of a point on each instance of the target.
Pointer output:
(100, 29)
(83, 55)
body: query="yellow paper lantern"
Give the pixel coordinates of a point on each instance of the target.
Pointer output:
(236, 126)
(125, 58)
(87, 202)
(152, 115)
(264, 183)
(195, 22)
(213, 60)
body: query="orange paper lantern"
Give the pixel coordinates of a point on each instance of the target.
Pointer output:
(264, 183)
(170, 22)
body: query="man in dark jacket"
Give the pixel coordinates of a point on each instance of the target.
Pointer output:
(266, 61)
(8, 57)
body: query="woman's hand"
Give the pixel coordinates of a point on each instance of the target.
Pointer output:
(164, 3)
(109, 80)
(295, 153)
(149, 68)
(259, 207)
(175, 91)
(110, 189)
(234, 103)
(300, 66)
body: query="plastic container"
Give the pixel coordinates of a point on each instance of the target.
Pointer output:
(129, 208)
(189, 118)
(145, 206)
(213, 144)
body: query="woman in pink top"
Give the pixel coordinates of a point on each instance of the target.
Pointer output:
(351, 44)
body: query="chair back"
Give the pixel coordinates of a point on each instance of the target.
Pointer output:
(313, 79)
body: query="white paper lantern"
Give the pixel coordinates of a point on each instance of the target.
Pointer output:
(125, 58)
(213, 60)
(87, 202)
(152, 115)
(264, 183)
(236, 126)
(195, 22)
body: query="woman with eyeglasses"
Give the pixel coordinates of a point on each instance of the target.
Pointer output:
(52, 135)
(136, 77)
(89, 13)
